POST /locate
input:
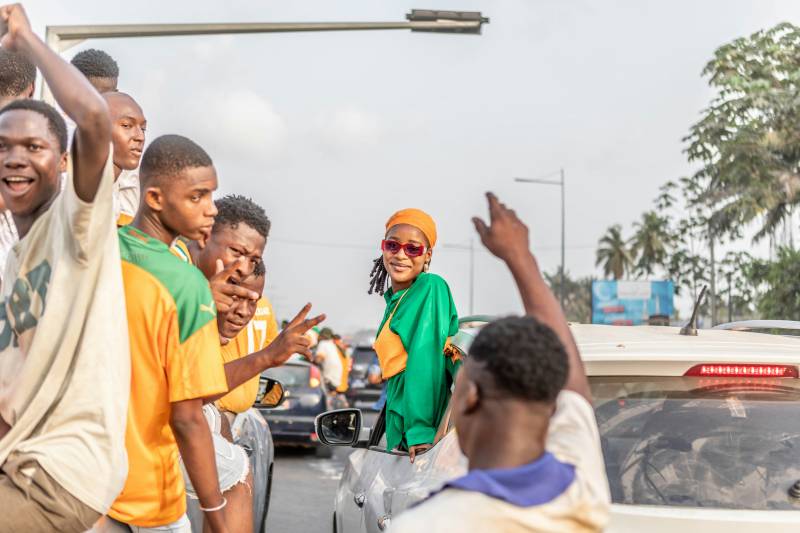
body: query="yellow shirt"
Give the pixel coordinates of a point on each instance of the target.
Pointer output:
(260, 331)
(175, 356)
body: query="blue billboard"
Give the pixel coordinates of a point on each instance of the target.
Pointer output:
(630, 303)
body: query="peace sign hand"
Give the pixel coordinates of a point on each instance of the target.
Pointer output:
(225, 292)
(505, 236)
(293, 338)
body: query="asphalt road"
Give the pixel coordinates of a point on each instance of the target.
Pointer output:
(303, 489)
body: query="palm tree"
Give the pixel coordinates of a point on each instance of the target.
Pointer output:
(613, 253)
(651, 243)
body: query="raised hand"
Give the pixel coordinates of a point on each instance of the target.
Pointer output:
(13, 25)
(293, 338)
(224, 291)
(505, 236)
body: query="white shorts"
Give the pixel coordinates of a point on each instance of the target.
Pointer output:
(233, 465)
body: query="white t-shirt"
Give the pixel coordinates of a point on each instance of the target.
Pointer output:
(332, 364)
(126, 193)
(64, 351)
(582, 507)
(8, 236)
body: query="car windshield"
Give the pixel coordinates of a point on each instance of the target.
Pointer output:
(290, 375)
(730, 443)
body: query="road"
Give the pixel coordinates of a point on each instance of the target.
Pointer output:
(303, 489)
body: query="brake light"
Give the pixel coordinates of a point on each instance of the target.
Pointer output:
(315, 378)
(747, 370)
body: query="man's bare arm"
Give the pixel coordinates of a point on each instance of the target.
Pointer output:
(290, 341)
(197, 451)
(507, 238)
(73, 92)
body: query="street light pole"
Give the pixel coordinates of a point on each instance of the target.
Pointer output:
(560, 183)
(61, 38)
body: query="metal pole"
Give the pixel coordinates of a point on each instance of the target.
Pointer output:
(472, 276)
(730, 298)
(712, 277)
(563, 232)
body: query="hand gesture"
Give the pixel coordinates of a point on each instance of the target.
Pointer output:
(505, 236)
(293, 339)
(224, 291)
(418, 449)
(13, 25)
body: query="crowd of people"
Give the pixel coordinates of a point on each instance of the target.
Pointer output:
(134, 331)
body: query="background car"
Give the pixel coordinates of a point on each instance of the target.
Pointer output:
(359, 389)
(251, 432)
(292, 422)
(699, 434)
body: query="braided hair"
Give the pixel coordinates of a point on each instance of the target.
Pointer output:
(378, 277)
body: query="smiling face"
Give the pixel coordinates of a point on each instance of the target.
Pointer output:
(242, 310)
(402, 269)
(184, 202)
(128, 129)
(30, 162)
(228, 243)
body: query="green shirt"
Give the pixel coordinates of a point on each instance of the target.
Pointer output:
(417, 398)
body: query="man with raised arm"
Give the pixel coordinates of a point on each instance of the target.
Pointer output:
(523, 415)
(64, 361)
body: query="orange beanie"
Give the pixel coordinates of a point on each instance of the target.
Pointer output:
(417, 218)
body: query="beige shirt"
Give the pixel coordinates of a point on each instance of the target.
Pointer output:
(64, 352)
(584, 507)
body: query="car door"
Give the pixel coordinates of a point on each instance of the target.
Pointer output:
(396, 484)
(356, 479)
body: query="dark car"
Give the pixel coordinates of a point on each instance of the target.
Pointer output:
(292, 422)
(359, 389)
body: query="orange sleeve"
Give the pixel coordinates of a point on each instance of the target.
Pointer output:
(195, 368)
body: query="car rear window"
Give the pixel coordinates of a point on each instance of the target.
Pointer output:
(290, 375)
(731, 443)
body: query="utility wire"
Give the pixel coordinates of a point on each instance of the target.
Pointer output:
(459, 247)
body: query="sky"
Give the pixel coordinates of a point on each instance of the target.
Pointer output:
(333, 132)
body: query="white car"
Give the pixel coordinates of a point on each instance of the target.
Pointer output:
(699, 434)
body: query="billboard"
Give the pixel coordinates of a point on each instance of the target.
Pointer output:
(630, 303)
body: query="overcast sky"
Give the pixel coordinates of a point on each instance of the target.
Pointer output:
(332, 132)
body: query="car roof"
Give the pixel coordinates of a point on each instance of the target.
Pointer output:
(660, 350)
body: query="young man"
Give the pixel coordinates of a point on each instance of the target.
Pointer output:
(231, 259)
(99, 68)
(64, 363)
(523, 417)
(176, 365)
(128, 126)
(17, 82)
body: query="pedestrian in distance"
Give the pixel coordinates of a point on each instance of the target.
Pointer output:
(523, 415)
(412, 343)
(64, 361)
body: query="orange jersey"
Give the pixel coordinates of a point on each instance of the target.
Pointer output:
(175, 356)
(260, 331)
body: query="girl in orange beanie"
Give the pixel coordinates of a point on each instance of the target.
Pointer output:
(419, 318)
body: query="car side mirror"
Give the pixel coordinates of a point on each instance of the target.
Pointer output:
(339, 428)
(270, 392)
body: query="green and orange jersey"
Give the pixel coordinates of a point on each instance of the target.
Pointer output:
(175, 356)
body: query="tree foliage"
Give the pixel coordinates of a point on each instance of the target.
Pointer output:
(613, 253)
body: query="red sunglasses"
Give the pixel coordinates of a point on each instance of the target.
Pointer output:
(394, 247)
